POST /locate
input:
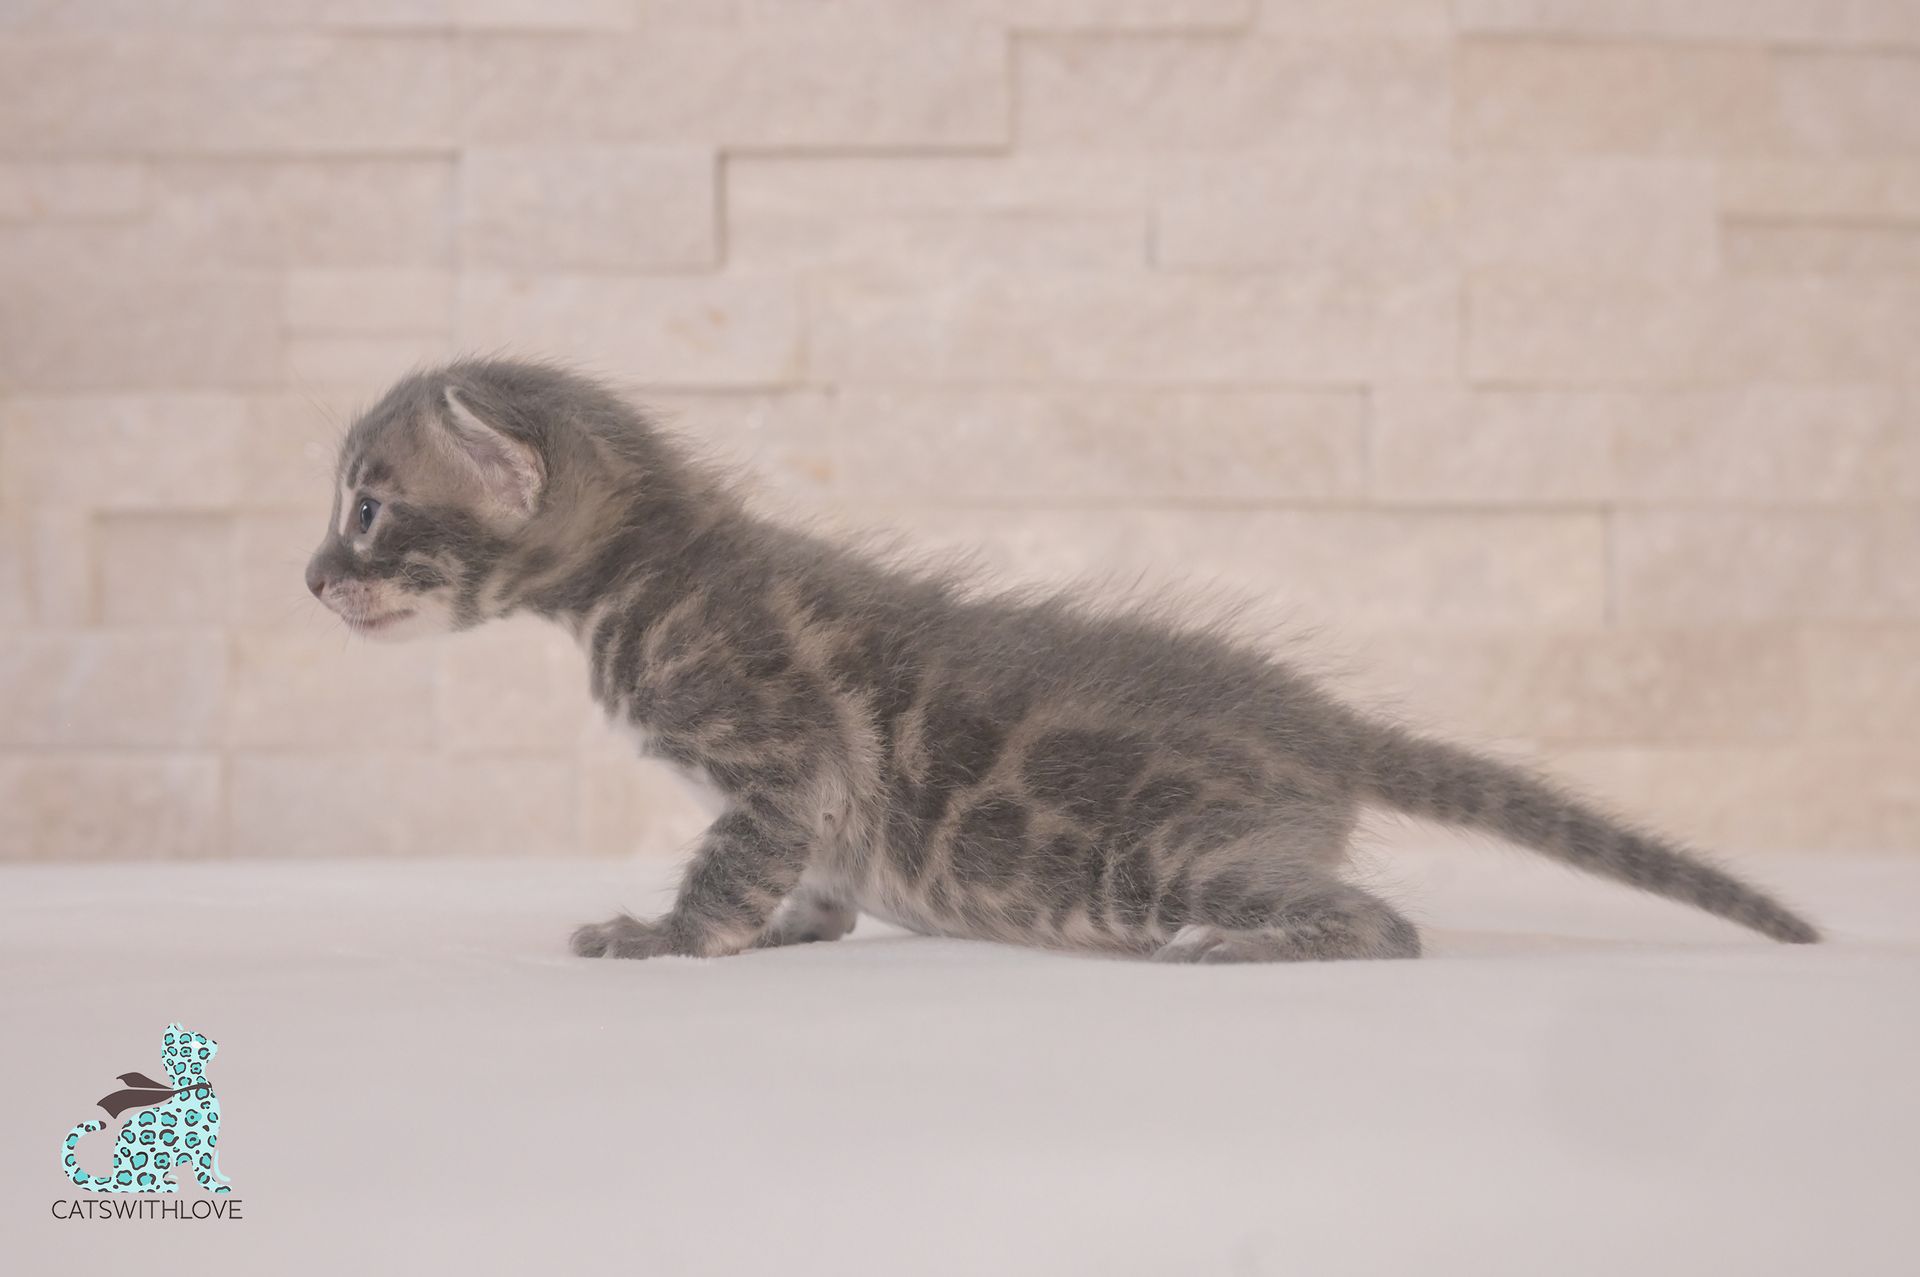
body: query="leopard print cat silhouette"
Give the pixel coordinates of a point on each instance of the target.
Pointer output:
(178, 1125)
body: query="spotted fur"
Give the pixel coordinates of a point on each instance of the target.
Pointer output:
(181, 1133)
(1034, 770)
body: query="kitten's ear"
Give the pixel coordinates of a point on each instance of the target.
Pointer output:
(509, 471)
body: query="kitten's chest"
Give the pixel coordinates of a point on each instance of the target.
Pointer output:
(692, 779)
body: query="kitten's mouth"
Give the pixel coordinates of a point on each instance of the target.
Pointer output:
(377, 622)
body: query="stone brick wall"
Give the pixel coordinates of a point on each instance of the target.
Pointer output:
(1557, 356)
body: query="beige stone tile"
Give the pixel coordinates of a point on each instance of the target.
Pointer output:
(1554, 96)
(609, 206)
(517, 687)
(1701, 685)
(370, 301)
(1682, 568)
(170, 15)
(149, 451)
(370, 362)
(367, 803)
(270, 561)
(546, 15)
(1897, 549)
(206, 217)
(290, 448)
(1286, 212)
(1067, 327)
(72, 189)
(783, 440)
(1718, 21)
(692, 331)
(1902, 473)
(1592, 215)
(364, 803)
(101, 806)
(105, 690)
(1746, 445)
(1850, 104)
(632, 806)
(1392, 18)
(1231, 93)
(1048, 447)
(1885, 188)
(788, 82)
(1436, 444)
(471, 807)
(1843, 797)
(16, 576)
(57, 544)
(853, 187)
(1761, 444)
(348, 15)
(165, 569)
(1800, 329)
(322, 691)
(306, 213)
(1863, 682)
(936, 245)
(1798, 248)
(120, 93)
(97, 331)
(1123, 15)
(1143, 15)
(1342, 569)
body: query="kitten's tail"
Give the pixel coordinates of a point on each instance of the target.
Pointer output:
(1438, 781)
(70, 1161)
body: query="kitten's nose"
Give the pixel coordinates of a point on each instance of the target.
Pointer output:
(316, 580)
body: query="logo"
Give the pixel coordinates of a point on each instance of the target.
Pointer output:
(173, 1127)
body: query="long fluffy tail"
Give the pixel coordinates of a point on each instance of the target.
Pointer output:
(1442, 782)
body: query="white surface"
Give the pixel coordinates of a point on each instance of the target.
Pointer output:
(415, 1077)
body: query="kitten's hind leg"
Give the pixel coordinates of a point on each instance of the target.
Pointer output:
(809, 914)
(1325, 923)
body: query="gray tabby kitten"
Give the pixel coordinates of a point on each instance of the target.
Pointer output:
(999, 768)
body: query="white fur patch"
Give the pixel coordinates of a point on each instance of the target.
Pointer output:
(694, 781)
(699, 786)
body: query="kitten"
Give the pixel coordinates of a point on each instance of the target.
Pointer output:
(1000, 768)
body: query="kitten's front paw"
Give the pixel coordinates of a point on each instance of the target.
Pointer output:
(589, 941)
(619, 937)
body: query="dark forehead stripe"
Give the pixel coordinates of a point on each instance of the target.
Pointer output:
(365, 472)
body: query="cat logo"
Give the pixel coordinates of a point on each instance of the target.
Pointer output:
(176, 1127)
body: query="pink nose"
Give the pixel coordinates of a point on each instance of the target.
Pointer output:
(316, 580)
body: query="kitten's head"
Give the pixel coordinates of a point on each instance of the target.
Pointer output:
(431, 490)
(186, 1055)
(489, 485)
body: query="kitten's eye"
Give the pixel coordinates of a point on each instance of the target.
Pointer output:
(368, 508)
